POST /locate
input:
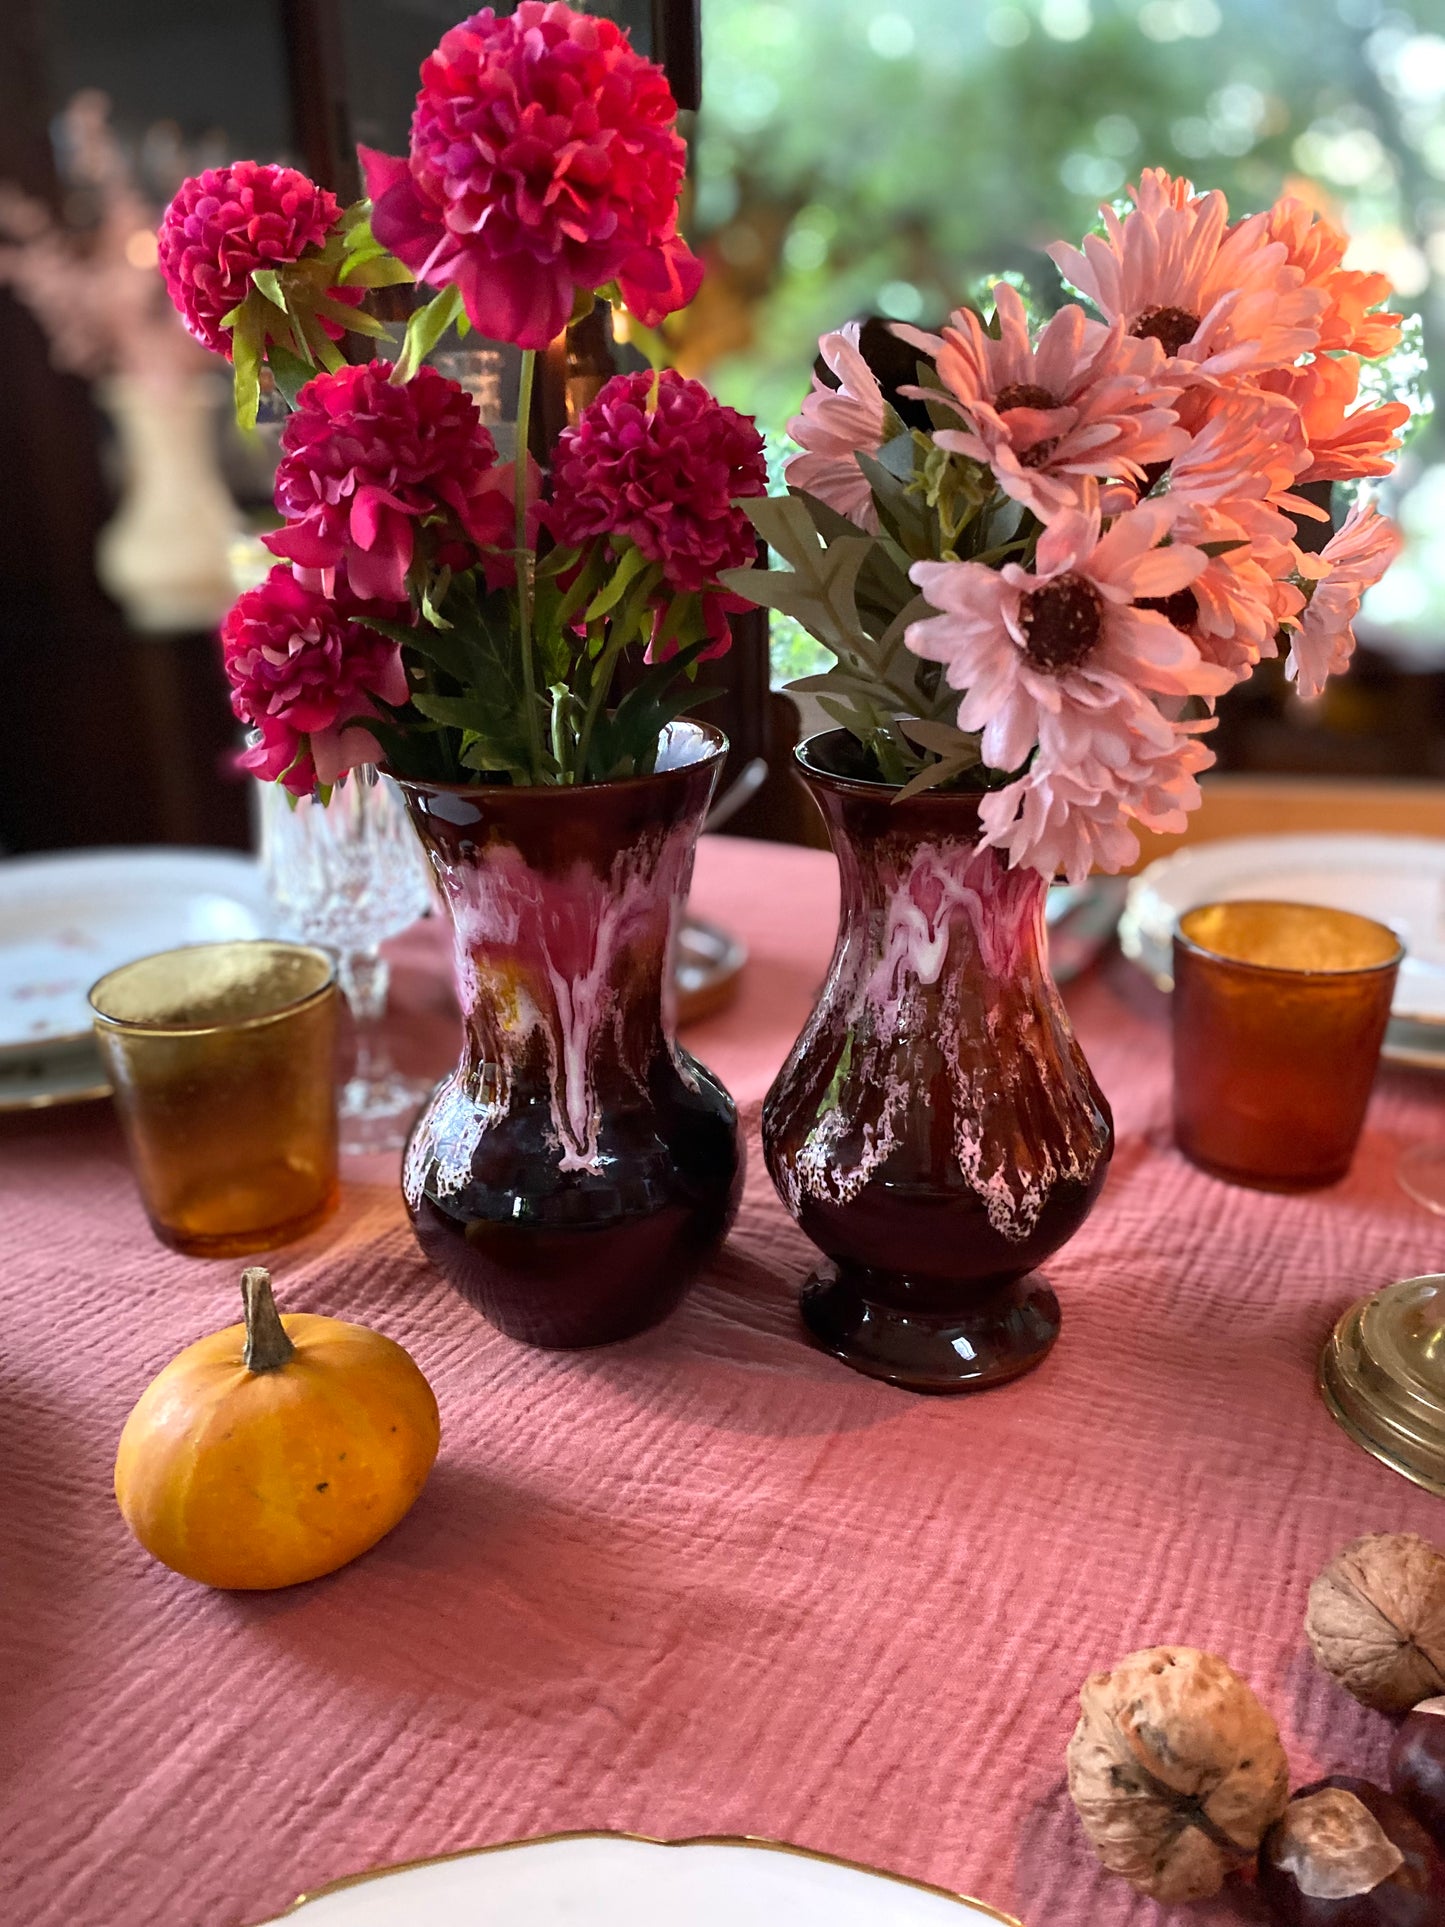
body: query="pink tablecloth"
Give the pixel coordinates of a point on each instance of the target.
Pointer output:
(707, 1581)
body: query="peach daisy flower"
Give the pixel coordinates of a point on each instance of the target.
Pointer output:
(1068, 640)
(1229, 491)
(1317, 247)
(1344, 441)
(1081, 400)
(1353, 560)
(1222, 301)
(834, 424)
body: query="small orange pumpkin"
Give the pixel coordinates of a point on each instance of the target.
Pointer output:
(275, 1451)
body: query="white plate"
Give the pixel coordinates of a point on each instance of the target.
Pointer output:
(1397, 880)
(610, 1880)
(65, 920)
(60, 1074)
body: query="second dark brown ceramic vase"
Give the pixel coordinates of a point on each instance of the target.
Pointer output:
(578, 1167)
(936, 1129)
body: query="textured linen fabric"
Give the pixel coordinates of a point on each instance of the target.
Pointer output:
(708, 1581)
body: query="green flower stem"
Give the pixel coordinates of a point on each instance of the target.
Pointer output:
(597, 698)
(524, 584)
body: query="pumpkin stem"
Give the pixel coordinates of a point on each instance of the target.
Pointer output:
(267, 1346)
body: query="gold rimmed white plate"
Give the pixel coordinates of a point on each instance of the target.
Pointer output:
(625, 1880)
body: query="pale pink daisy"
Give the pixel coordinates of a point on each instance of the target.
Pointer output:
(1066, 817)
(1352, 561)
(1223, 301)
(1081, 400)
(1068, 639)
(835, 423)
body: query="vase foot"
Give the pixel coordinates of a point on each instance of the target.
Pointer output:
(1003, 1332)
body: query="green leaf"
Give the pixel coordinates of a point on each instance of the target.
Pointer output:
(457, 712)
(933, 775)
(379, 270)
(628, 568)
(902, 514)
(355, 321)
(246, 366)
(290, 372)
(268, 283)
(944, 739)
(425, 329)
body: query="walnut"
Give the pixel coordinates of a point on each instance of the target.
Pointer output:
(1376, 1620)
(1176, 1771)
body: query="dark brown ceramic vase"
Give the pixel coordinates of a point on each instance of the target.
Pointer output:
(936, 1129)
(578, 1167)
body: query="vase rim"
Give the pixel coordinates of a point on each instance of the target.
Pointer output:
(712, 748)
(807, 757)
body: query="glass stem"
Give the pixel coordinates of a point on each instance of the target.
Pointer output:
(364, 976)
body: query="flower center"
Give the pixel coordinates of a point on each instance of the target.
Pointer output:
(1181, 608)
(1062, 624)
(1023, 394)
(1027, 394)
(1171, 326)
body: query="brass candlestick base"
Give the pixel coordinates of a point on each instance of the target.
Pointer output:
(1382, 1373)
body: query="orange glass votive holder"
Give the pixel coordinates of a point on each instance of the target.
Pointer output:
(1279, 1013)
(222, 1056)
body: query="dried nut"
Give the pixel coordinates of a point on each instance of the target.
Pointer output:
(1345, 1854)
(1417, 1766)
(1376, 1620)
(1176, 1771)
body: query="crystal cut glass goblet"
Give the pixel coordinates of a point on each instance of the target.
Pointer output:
(347, 874)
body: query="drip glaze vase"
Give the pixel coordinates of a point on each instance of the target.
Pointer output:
(936, 1130)
(578, 1167)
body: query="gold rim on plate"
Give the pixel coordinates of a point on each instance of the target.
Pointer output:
(646, 1840)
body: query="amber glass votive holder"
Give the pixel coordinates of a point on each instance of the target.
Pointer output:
(1279, 1013)
(222, 1060)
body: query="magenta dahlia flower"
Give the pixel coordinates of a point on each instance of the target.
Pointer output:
(229, 220)
(371, 470)
(544, 159)
(664, 473)
(303, 671)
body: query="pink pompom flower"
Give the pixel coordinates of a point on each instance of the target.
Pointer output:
(304, 670)
(376, 476)
(1222, 301)
(1081, 400)
(225, 223)
(835, 424)
(544, 159)
(655, 461)
(1070, 639)
(1352, 561)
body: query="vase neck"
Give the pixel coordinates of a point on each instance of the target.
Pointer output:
(562, 947)
(922, 895)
